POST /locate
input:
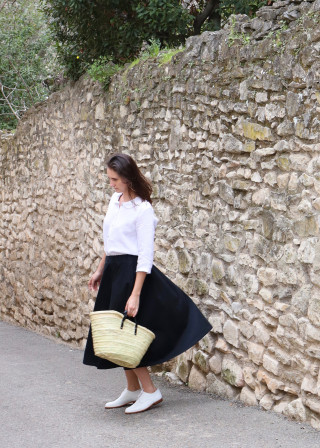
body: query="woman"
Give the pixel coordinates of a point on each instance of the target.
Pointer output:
(128, 281)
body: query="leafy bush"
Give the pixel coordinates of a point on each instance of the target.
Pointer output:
(116, 29)
(102, 70)
(150, 50)
(27, 60)
(86, 30)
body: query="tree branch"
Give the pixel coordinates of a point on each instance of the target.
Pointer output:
(8, 102)
(22, 79)
(5, 2)
(200, 19)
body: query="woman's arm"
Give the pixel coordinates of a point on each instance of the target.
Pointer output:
(132, 305)
(145, 228)
(94, 281)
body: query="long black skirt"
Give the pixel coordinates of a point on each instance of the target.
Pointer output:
(164, 309)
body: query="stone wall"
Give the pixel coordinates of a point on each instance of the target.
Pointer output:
(228, 131)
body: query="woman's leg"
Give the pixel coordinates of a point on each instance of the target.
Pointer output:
(144, 377)
(149, 396)
(132, 380)
(129, 395)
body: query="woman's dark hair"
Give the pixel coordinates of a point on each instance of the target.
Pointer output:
(127, 168)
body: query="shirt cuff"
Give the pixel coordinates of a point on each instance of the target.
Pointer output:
(143, 267)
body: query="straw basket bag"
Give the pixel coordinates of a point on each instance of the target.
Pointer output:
(118, 339)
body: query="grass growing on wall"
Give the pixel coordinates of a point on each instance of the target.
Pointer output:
(103, 69)
(166, 56)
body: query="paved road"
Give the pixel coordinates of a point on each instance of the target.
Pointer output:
(49, 399)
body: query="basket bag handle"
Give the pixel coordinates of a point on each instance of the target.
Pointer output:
(125, 316)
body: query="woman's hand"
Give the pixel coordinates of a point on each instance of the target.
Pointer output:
(95, 280)
(132, 305)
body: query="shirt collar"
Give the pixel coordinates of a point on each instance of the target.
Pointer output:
(129, 204)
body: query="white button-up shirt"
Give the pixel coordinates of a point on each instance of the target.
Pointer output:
(129, 229)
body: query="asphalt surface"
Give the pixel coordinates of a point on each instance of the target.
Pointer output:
(49, 399)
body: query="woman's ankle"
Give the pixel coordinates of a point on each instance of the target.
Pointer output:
(149, 389)
(133, 388)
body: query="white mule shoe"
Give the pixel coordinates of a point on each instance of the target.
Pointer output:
(144, 402)
(125, 398)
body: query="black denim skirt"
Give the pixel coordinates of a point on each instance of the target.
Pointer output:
(164, 309)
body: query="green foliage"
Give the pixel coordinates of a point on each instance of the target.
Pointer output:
(26, 60)
(168, 54)
(115, 29)
(98, 37)
(277, 38)
(249, 7)
(102, 70)
(167, 20)
(234, 36)
(133, 63)
(151, 50)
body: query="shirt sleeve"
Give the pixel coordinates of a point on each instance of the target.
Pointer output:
(145, 226)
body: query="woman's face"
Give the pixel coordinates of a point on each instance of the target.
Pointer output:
(116, 182)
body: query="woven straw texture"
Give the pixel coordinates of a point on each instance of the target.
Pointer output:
(120, 346)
